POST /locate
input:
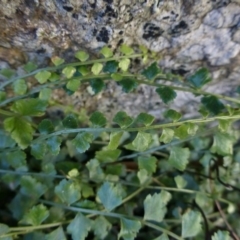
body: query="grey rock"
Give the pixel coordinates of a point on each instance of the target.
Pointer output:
(186, 34)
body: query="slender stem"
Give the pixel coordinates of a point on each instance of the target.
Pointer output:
(15, 231)
(214, 215)
(74, 64)
(51, 84)
(229, 227)
(100, 142)
(136, 192)
(173, 221)
(34, 90)
(196, 91)
(146, 186)
(162, 230)
(14, 234)
(23, 230)
(7, 113)
(149, 151)
(110, 214)
(188, 191)
(174, 143)
(136, 77)
(43, 226)
(31, 173)
(192, 192)
(161, 154)
(83, 210)
(137, 129)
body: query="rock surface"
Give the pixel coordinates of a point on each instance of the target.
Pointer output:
(188, 34)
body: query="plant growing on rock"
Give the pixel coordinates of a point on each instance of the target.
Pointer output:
(130, 177)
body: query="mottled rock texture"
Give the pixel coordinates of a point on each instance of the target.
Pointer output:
(187, 33)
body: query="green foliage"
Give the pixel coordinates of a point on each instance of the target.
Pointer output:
(151, 72)
(20, 87)
(97, 85)
(57, 60)
(110, 196)
(221, 235)
(3, 96)
(43, 76)
(224, 125)
(101, 227)
(3, 229)
(106, 52)
(6, 72)
(110, 67)
(109, 155)
(68, 191)
(82, 56)
(98, 119)
(222, 144)
(6, 141)
(129, 229)
(95, 171)
(36, 215)
(53, 145)
(79, 227)
(162, 237)
(45, 94)
(124, 64)
(16, 126)
(54, 77)
(212, 104)
(143, 176)
(56, 235)
(191, 223)
(167, 94)
(142, 141)
(200, 77)
(238, 89)
(167, 135)
(29, 67)
(29, 107)
(155, 206)
(185, 130)
(173, 115)
(84, 70)
(69, 71)
(180, 181)
(115, 139)
(31, 187)
(70, 121)
(82, 141)
(145, 119)
(73, 84)
(117, 76)
(17, 159)
(147, 163)
(45, 126)
(85, 175)
(126, 49)
(38, 150)
(122, 119)
(179, 157)
(127, 85)
(97, 68)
